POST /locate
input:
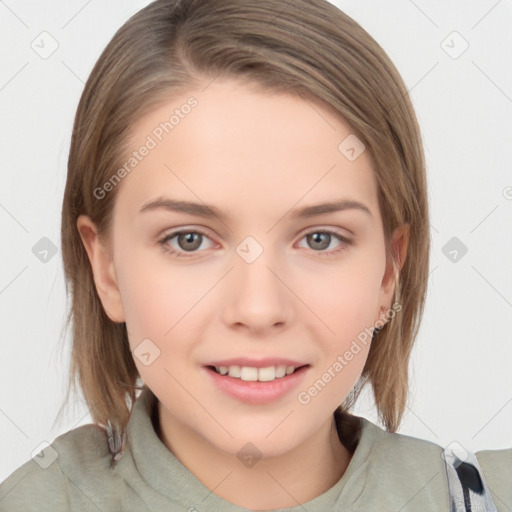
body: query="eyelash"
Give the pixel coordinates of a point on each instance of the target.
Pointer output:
(165, 247)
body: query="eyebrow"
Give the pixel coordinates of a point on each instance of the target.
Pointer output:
(208, 211)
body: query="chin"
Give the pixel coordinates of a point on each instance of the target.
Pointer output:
(268, 441)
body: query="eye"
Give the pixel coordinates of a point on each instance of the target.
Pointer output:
(322, 238)
(188, 241)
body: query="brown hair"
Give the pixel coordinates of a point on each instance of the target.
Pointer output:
(306, 47)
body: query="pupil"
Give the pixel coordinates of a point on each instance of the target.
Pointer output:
(188, 238)
(317, 236)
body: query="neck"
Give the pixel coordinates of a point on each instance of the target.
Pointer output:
(289, 479)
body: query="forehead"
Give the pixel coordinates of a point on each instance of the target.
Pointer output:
(247, 150)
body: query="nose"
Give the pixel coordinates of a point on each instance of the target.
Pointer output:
(257, 296)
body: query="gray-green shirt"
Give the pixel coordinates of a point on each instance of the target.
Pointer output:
(387, 472)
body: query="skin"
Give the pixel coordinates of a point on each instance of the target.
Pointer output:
(255, 156)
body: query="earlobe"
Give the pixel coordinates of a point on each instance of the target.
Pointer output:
(103, 269)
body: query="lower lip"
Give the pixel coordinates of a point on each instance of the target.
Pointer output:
(256, 392)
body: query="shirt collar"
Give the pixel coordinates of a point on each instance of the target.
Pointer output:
(165, 474)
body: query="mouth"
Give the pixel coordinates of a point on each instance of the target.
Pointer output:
(254, 374)
(257, 385)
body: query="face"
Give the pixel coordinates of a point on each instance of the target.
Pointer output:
(258, 284)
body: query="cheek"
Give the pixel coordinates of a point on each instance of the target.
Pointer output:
(159, 299)
(345, 301)
(159, 310)
(346, 297)
(162, 298)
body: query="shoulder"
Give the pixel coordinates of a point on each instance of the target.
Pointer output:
(72, 471)
(403, 453)
(497, 469)
(417, 473)
(402, 472)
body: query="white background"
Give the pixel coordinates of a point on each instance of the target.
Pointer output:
(461, 384)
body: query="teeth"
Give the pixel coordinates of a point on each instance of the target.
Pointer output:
(234, 371)
(266, 374)
(280, 371)
(249, 373)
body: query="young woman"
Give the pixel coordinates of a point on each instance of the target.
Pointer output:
(246, 240)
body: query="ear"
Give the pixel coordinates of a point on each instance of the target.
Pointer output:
(102, 268)
(395, 259)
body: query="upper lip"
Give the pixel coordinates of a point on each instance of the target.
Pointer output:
(257, 363)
